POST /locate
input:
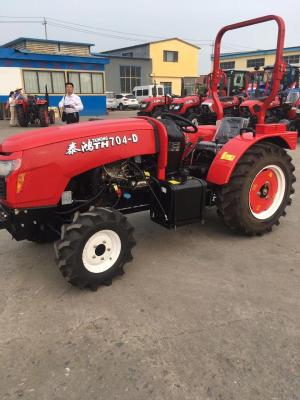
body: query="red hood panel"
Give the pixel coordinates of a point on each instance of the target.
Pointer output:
(41, 137)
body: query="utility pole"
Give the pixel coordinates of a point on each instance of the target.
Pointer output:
(45, 25)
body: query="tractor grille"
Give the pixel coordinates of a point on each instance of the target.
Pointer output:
(2, 188)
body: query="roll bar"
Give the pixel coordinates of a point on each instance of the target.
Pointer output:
(279, 67)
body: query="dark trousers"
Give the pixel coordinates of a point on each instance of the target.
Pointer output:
(72, 118)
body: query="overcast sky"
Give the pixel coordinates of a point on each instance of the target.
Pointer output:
(140, 21)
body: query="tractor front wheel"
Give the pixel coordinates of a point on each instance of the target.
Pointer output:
(95, 247)
(43, 117)
(21, 116)
(259, 190)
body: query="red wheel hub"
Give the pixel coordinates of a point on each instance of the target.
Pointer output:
(263, 191)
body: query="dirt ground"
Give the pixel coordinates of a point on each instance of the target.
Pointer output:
(200, 314)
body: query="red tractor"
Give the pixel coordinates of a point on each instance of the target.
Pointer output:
(34, 110)
(75, 184)
(187, 107)
(291, 109)
(154, 106)
(232, 91)
(261, 86)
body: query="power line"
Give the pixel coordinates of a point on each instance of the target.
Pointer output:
(63, 24)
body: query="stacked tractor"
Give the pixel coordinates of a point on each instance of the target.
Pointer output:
(34, 111)
(75, 184)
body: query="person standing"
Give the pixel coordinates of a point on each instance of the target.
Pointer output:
(12, 109)
(70, 105)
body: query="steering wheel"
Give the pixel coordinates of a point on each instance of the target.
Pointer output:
(185, 123)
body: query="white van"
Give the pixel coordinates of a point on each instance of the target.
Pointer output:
(142, 92)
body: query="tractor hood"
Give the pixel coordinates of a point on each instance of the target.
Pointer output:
(45, 136)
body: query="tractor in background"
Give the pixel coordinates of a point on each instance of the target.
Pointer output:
(34, 110)
(155, 106)
(261, 87)
(232, 91)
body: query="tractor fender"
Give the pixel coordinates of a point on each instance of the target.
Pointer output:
(227, 158)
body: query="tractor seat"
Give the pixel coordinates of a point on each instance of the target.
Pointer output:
(228, 128)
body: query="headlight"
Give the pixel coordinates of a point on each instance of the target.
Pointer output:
(144, 105)
(7, 167)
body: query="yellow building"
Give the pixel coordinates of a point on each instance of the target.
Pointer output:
(171, 61)
(259, 58)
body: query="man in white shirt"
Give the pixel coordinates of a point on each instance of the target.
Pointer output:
(70, 105)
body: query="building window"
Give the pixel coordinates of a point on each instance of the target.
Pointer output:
(167, 87)
(128, 54)
(170, 56)
(87, 82)
(227, 65)
(130, 76)
(35, 82)
(58, 81)
(294, 59)
(255, 62)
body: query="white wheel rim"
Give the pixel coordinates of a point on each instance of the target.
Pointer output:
(281, 182)
(101, 251)
(195, 121)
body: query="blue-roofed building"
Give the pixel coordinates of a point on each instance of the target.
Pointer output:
(32, 64)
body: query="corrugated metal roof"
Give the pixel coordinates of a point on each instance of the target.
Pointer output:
(21, 39)
(9, 53)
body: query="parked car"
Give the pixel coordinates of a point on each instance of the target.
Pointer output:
(146, 91)
(111, 101)
(125, 100)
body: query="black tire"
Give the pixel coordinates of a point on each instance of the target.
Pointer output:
(121, 107)
(234, 199)
(51, 114)
(21, 116)
(80, 241)
(43, 117)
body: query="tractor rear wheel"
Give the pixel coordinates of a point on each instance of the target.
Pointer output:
(259, 190)
(94, 248)
(43, 117)
(51, 114)
(21, 116)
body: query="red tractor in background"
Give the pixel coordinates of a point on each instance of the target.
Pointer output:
(34, 110)
(232, 91)
(261, 86)
(155, 106)
(187, 107)
(291, 110)
(75, 184)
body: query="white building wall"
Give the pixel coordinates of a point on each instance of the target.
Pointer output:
(10, 79)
